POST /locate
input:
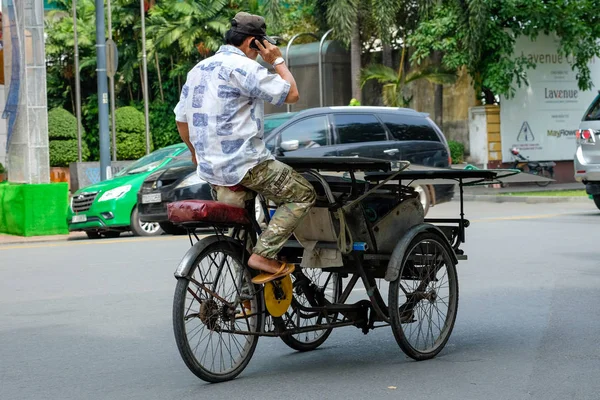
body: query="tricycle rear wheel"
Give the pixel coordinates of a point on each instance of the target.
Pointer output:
(217, 314)
(423, 300)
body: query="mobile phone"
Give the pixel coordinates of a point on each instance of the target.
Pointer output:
(253, 44)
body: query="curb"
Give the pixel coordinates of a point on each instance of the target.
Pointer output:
(525, 199)
(12, 239)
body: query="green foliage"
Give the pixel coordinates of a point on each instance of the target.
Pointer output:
(131, 133)
(64, 152)
(2, 169)
(131, 146)
(62, 132)
(354, 102)
(162, 125)
(480, 35)
(89, 116)
(188, 23)
(457, 151)
(61, 124)
(129, 120)
(395, 82)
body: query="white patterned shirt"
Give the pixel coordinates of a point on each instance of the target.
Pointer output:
(223, 103)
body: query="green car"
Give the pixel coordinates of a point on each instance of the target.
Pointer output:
(109, 207)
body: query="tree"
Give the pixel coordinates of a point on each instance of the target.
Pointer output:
(60, 54)
(350, 18)
(480, 35)
(394, 82)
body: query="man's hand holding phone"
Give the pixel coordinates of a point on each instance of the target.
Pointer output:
(267, 51)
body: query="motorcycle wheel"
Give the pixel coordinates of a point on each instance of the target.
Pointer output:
(546, 174)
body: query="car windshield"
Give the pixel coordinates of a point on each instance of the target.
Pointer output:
(147, 163)
(274, 120)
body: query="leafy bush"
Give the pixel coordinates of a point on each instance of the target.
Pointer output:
(2, 169)
(131, 133)
(129, 120)
(62, 125)
(162, 125)
(131, 146)
(457, 151)
(354, 102)
(64, 152)
(62, 131)
(89, 114)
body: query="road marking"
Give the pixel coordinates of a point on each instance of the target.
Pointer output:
(85, 242)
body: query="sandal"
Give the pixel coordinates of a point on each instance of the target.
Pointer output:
(246, 309)
(265, 277)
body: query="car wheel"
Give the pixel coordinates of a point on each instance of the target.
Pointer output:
(93, 234)
(423, 198)
(140, 228)
(597, 200)
(171, 229)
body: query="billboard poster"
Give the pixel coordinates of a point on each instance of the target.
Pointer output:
(542, 118)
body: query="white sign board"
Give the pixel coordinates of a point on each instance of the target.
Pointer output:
(542, 118)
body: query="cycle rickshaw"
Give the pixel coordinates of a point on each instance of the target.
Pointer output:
(367, 225)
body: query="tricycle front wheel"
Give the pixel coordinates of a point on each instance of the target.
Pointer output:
(424, 298)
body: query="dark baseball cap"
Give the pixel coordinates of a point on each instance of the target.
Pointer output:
(251, 25)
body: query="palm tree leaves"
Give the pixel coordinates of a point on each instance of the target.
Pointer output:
(394, 82)
(378, 72)
(437, 75)
(187, 24)
(384, 16)
(273, 13)
(342, 15)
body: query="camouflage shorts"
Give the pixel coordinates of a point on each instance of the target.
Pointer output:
(279, 183)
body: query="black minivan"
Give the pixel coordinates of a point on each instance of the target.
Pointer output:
(376, 132)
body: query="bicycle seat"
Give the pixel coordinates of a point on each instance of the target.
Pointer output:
(206, 213)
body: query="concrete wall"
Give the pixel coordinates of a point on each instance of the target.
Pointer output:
(458, 98)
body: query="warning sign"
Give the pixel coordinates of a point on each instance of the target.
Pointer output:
(525, 134)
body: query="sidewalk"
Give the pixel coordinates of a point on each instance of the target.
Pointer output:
(498, 195)
(11, 239)
(525, 188)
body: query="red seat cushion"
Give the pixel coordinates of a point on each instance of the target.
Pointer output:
(206, 211)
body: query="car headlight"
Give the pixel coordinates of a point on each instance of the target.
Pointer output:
(115, 193)
(191, 180)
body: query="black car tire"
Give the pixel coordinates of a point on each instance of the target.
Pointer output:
(139, 228)
(92, 234)
(597, 200)
(171, 229)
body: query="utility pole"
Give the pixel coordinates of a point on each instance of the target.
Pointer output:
(105, 170)
(77, 82)
(111, 81)
(145, 73)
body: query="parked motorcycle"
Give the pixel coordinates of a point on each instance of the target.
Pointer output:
(541, 168)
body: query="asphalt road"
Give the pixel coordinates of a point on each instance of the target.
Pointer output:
(92, 320)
